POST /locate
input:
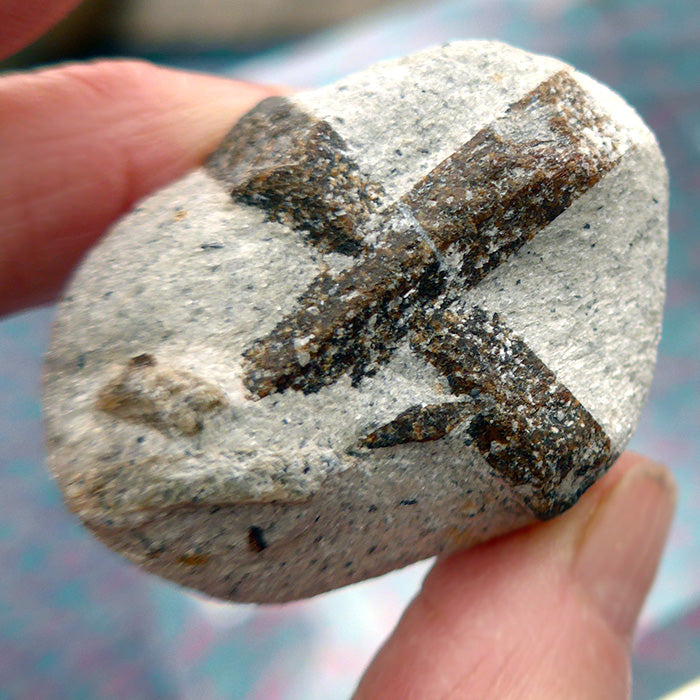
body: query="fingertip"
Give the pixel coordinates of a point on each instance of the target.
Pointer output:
(22, 21)
(620, 546)
(543, 612)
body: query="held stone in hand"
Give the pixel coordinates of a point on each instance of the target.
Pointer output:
(389, 318)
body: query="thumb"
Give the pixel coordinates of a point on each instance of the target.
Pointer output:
(547, 612)
(81, 143)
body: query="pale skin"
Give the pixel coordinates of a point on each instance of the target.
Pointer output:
(548, 612)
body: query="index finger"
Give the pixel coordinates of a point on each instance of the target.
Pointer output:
(79, 144)
(22, 21)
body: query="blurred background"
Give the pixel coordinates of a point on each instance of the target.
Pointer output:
(76, 621)
(216, 29)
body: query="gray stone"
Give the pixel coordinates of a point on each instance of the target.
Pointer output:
(389, 318)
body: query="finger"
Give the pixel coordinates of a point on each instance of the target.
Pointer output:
(81, 143)
(22, 21)
(544, 613)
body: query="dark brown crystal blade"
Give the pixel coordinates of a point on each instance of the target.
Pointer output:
(419, 424)
(295, 168)
(516, 175)
(526, 424)
(349, 320)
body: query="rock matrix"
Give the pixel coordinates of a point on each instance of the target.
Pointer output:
(389, 318)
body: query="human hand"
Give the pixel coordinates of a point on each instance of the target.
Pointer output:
(547, 612)
(81, 143)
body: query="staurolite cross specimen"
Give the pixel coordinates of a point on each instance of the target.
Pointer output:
(389, 318)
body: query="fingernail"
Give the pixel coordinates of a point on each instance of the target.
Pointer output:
(619, 552)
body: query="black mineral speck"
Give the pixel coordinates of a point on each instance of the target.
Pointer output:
(256, 539)
(143, 360)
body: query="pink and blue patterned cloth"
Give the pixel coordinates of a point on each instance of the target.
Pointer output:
(77, 621)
